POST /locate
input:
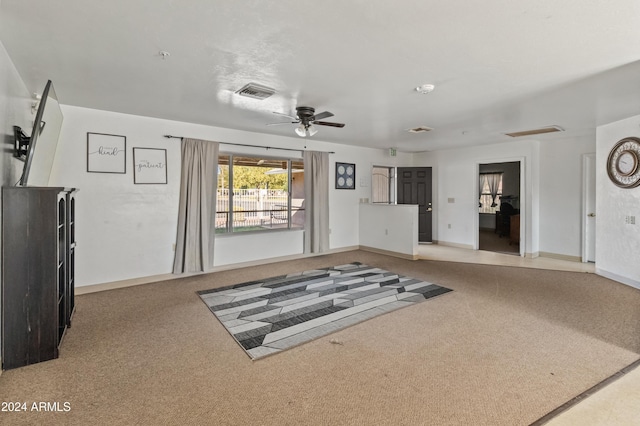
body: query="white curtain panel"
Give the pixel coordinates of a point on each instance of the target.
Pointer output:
(482, 179)
(316, 194)
(197, 210)
(493, 179)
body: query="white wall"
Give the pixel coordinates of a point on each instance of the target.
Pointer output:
(390, 227)
(455, 174)
(127, 231)
(15, 110)
(561, 184)
(550, 204)
(617, 243)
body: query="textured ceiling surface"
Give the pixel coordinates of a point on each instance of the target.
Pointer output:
(498, 65)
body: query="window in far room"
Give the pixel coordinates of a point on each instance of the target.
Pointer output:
(383, 185)
(258, 193)
(491, 184)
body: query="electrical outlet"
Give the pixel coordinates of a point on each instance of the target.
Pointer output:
(630, 220)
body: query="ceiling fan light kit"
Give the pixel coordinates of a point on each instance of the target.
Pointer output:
(304, 131)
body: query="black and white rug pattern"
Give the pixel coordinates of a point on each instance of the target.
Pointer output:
(274, 314)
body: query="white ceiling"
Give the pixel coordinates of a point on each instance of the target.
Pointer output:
(498, 65)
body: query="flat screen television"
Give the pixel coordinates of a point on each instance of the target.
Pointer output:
(39, 150)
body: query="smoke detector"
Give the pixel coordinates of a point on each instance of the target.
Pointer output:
(425, 88)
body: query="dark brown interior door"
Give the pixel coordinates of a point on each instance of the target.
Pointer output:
(414, 187)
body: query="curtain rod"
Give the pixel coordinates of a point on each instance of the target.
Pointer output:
(252, 146)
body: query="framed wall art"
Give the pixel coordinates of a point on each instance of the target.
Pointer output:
(345, 176)
(149, 166)
(106, 153)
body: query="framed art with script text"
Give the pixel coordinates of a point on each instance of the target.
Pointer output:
(149, 165)
(106, 153)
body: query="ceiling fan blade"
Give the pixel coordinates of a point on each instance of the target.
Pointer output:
(322, 115)
(285, 115)
(284, 122)
(328, 123)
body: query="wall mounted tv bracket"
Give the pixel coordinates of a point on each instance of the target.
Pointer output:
(20, 143)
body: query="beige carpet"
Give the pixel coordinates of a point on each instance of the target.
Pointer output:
(506, 347)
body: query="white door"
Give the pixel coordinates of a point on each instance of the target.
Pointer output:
(589, 210)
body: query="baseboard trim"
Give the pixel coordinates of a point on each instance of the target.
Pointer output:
(456, 245)
(94, 288)
(113, 285)
(390, 253)
(560, 256)
(532, 255)
(619, 278)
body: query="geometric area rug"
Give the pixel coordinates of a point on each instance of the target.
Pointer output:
(274, 314)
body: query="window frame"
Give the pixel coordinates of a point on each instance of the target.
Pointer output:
(391, 187)
(498, 195)
(229, 229)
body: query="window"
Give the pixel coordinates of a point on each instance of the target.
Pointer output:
(259, 193)
(383, 185)
(489, 181)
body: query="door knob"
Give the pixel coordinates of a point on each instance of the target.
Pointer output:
(429, 209)
(591, 215)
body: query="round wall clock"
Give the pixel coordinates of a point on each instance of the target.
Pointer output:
(623, 163)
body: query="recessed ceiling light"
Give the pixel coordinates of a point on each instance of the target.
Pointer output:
(540, 131)
(425, 88)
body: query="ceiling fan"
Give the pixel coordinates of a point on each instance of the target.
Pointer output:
(307, 119)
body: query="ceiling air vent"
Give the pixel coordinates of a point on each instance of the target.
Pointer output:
(420, 129)
(256, 91)
(540, 131)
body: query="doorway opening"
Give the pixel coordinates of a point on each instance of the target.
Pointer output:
(499, 207)
(589, 208)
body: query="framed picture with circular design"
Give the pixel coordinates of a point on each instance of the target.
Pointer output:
(623, 163)
(345, 176)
